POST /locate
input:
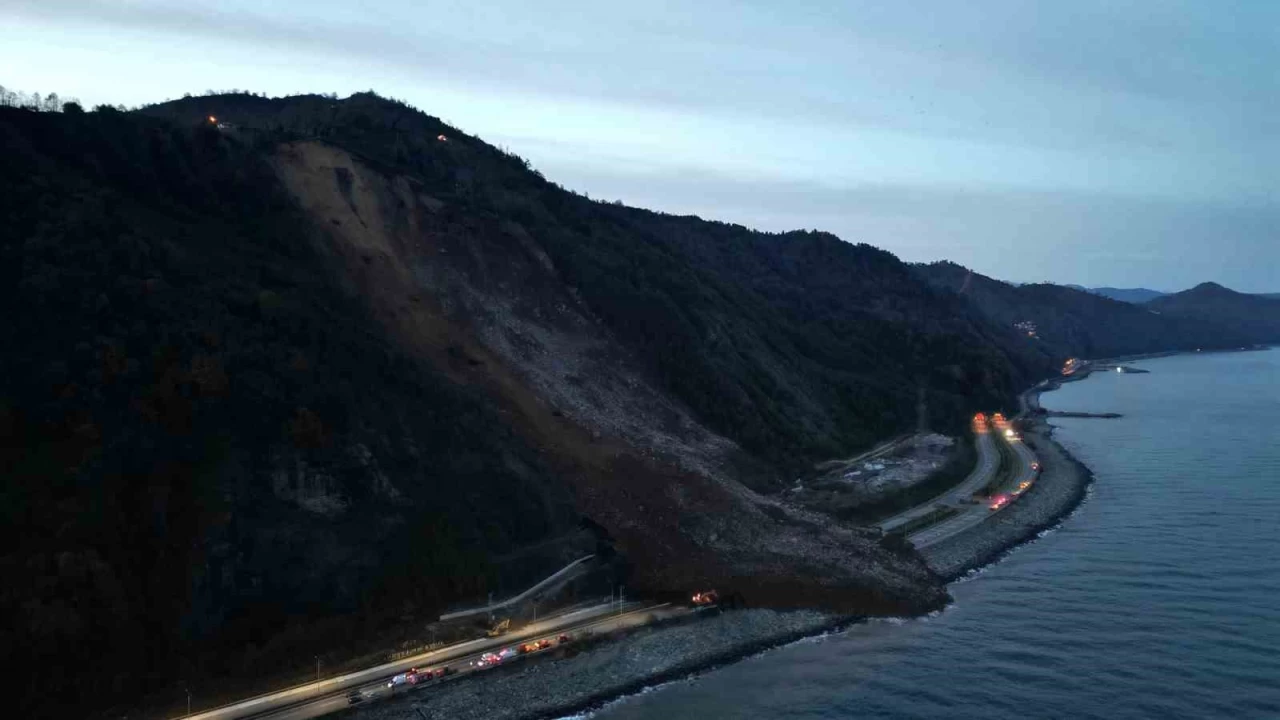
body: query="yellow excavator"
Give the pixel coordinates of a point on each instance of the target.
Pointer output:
(500, 628)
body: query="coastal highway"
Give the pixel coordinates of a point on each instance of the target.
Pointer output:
(326, 696)
(983, 469)
(1025, 465)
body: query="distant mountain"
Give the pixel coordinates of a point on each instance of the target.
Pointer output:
(1069, 322)
(1129, 295)
(1255, 317)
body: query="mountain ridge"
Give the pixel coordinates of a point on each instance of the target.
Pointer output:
(319, 365)
(1078, 323)
(1254, 317)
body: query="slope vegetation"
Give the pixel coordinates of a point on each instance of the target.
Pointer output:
(209, 450)
(796, 345)
(1256, 318)
(1078, 323)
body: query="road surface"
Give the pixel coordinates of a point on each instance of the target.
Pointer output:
(1025, 465)
(983, 469)
(328, 695)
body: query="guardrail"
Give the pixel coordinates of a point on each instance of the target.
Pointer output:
(401, 654)
(518, 598)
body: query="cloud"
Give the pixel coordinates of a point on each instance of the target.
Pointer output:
(999, 77)
(1018, 235)
(1135, 135)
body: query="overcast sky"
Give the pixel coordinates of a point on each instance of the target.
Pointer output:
(1094, 142)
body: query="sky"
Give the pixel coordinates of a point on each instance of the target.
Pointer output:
(1100, 142)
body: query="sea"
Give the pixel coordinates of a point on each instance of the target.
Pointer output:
(1159, 597)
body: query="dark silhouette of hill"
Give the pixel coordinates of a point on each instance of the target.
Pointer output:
(1079, 323)
(205, 441)
(1129, 295)
(745, 327)
(1255, 318)
(272, 384)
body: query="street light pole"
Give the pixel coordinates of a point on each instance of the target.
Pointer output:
(184, 687)
(317, 668)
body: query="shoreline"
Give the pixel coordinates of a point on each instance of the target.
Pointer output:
(1063, 485)
(619, 667)
(610, 669)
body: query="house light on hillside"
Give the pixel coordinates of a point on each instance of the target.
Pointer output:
(213, 120)
(442, 138)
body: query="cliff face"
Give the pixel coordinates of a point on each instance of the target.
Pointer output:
(325, 369)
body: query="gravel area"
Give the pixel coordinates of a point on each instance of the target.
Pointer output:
(1062, 485)
(554, 687)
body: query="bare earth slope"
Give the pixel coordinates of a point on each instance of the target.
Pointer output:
(482, 299)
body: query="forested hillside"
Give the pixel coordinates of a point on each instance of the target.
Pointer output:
(324, 364)
(797, 345)
(1254, 317)
(203, 438)
(1078, 323)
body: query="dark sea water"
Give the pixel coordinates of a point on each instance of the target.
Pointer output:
(1158, 598)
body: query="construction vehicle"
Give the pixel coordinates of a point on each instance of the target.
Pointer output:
(502, 627)
(705, 598)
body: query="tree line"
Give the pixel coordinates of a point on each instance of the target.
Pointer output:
(35, 101)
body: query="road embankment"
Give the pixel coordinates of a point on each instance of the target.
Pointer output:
(552, 688)
(1061, 487)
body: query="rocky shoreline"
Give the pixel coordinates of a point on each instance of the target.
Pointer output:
(558, 687)
(554, 687)
(1063, 484)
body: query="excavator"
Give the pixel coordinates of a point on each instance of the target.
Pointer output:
(501, 627)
